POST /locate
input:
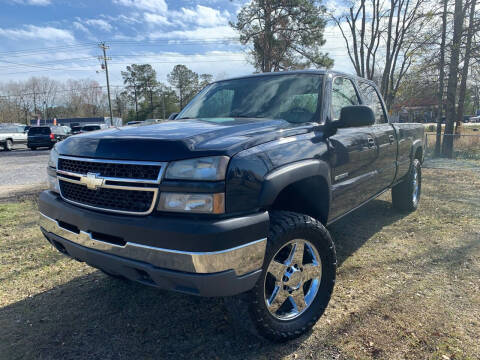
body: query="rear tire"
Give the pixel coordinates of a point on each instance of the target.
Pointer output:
(283, 307)
(8, 145)
(406, 195)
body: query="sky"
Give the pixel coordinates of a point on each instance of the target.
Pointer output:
(59, 38)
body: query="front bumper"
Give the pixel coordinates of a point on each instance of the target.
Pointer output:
(149, 250)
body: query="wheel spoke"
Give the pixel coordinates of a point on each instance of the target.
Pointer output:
(297, 300)
(277, 299)
(296, 254)
(311, 271)
(277, 269)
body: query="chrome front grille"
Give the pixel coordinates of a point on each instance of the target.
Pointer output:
(90, 183)
(113, 169)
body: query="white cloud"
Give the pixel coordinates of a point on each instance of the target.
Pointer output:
(215, 32)
(220, 64)
(205, 16)
(157, 6)
(99, 23)
(33, 2)
(156, 19)
(79, 26)
(33, 32)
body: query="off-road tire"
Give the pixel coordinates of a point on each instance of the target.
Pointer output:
(250, 310)
(8, 145)
(403, 193)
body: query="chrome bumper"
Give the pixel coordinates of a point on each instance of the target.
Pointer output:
(242, 259)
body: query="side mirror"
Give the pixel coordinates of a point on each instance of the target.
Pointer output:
(173, 116)
(354, 116)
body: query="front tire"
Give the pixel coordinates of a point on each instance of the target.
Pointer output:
(406, 195)
(296, 282)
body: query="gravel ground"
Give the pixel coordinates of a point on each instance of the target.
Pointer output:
(22, 170)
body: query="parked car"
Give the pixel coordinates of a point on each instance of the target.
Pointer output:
(235, 195)
(134, 122)
(67, 129)
(10, 136)
(45, 136)
(93, 127)
(76, 130)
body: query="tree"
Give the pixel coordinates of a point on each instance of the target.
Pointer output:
(205, 79)
(284, 34)
(185, 82)
(384, 35)
(141, 80)
(452, 84)
(466, 64)
(441, 80)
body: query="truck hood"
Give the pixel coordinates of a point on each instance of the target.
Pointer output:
(179, 139)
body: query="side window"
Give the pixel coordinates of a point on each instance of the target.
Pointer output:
(218, 103)
(343, 94)
(372, 99)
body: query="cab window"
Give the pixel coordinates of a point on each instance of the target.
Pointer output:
(372, 99)
(343, 94)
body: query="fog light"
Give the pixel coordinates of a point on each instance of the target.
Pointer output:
(192, 203)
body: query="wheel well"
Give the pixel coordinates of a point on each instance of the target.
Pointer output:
(309, 196)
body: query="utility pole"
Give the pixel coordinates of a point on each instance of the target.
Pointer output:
(104, 59)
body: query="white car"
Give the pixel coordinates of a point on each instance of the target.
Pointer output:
(12, 135)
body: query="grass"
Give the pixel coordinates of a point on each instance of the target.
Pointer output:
(407, 288)
(465, 146)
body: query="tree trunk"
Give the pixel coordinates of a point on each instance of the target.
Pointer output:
(466, 64)
(447, 146)
(441, 66)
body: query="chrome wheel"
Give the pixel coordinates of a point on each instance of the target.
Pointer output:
(416, 186)
(292, 280)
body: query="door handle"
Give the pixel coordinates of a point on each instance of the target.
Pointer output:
(371, 142)
(391, 138)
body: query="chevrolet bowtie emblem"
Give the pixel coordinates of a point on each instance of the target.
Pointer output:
(92, 181)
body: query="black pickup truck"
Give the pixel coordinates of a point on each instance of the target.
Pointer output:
(234, 195)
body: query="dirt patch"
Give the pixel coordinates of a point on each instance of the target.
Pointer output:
(407, 288)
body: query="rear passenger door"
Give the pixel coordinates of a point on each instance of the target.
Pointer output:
(353, 154)
(385, 137)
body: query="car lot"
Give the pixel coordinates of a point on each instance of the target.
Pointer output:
(22, 170)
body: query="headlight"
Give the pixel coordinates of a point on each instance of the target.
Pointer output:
(53, 160)
(192, 203)
(207, 168)
(52, 180)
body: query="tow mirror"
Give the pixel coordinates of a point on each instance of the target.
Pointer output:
(354, 116)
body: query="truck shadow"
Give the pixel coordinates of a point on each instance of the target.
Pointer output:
(355, 229)
(98, 317)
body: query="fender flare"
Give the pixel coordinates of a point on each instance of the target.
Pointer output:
(279, 178)
(415, 145)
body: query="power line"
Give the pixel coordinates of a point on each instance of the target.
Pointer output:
(105, 62)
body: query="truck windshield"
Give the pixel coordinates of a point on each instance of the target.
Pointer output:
(293, 97)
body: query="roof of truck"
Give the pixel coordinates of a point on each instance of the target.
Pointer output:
(309, 71)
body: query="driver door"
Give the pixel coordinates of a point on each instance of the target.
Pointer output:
(353, 154)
